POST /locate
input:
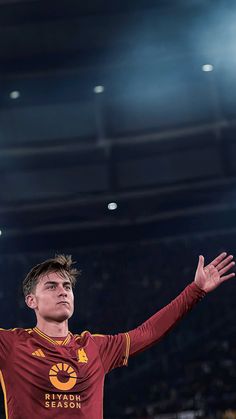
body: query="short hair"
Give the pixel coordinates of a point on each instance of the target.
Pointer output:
(60, 263)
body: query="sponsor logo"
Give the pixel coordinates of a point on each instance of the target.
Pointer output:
(62, 376)
(65, 401)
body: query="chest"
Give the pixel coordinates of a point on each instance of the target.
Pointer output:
(56, 368)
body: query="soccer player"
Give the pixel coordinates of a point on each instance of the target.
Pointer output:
(48, 372)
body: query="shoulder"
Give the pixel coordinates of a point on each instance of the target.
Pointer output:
(86, 335)
(11, 336)
(16, 331)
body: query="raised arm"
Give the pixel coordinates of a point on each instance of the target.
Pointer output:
(206, 279)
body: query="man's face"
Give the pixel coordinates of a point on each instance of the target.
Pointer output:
(53, 297)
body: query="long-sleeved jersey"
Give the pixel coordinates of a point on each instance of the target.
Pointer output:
(43, 377)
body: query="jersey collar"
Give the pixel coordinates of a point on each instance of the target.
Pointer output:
(51, 340)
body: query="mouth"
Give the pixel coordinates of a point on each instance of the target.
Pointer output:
(63, 302)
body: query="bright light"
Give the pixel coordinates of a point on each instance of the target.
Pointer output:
(207, 67)
(15, 94)
(0, 232)
(98, 89)
(112, 206)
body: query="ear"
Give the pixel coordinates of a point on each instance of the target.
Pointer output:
(30, 301)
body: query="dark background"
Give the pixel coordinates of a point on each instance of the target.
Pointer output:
(159, 140)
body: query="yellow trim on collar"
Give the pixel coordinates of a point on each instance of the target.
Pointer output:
(54, 342)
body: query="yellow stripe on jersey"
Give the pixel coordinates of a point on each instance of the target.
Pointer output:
(67, 339)
(54, 342)
(44, 336)
(125, 362)
(4, 393)
(17, 328)
(127, 349)
(10, 330)
(29, 330)
(97, 334)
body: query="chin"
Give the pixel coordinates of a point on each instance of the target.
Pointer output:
(59, 316)
(64, 315)
(61, 319)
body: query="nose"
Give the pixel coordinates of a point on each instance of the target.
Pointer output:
(62, 291)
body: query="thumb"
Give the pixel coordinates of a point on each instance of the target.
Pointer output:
(200, 262)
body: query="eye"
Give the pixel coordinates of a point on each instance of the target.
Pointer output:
(52, 286)
(68, 287)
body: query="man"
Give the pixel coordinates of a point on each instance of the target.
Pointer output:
(47, 372)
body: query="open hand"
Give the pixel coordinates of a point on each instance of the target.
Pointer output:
(212, 275)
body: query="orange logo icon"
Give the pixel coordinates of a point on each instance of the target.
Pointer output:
(62, 376)
(82, 357)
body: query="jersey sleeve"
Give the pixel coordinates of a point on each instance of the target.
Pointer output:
(157, 326)
(6, 344)
(113, 349)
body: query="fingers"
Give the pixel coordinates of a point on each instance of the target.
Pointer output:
(224, 262)
(221, 260)
(226, 268)
(218, 259)
(224, 278)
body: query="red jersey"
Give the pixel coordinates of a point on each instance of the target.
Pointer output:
(44, 378)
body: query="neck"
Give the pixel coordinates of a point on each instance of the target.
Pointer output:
(53, 328)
